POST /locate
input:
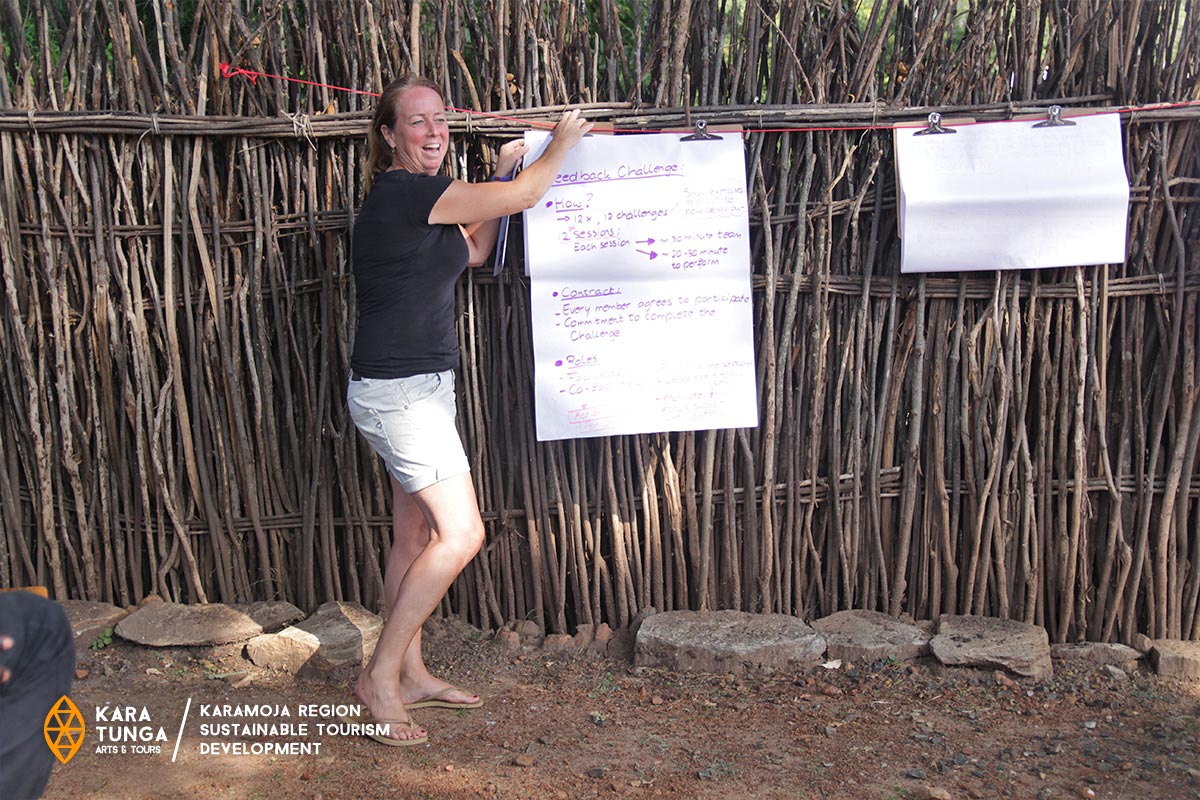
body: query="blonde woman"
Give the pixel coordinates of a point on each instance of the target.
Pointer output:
(416, 233)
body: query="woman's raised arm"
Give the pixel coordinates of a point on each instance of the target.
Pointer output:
(469, 203)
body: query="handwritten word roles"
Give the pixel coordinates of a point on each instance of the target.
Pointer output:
(641, 291)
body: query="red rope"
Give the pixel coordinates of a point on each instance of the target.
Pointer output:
(229, 71)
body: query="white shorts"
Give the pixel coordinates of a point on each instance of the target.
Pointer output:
(410, 424)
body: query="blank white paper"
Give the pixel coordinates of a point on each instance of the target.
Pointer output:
(1007, 195)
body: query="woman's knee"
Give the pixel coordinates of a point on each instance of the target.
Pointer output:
(465, 539)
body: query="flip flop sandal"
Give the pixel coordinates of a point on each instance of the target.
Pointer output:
(380, 736)
(436, 700)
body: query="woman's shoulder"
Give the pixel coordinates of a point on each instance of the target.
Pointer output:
(399, 183)
(409, 193)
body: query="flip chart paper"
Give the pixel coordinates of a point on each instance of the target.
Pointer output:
(639, 264)
(1008, 195)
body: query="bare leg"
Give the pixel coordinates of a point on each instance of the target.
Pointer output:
(410, 536)
(455, 535)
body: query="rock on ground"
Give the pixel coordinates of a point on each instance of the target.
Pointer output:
(175, 624)
(1142, 642)
(1098, 653)
(89, 620)
(585, 634)
(990, 642)
(558, 643)
(338, 633)
(1173, 658)
(726, 641)
(870, 636)
(624, 640)
(601, 637)
(271, 614)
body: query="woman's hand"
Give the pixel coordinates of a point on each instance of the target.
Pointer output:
(571, 128)
(510, 155)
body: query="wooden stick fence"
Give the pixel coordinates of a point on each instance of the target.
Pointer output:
(177, 313)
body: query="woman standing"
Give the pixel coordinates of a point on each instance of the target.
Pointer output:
(416, 233)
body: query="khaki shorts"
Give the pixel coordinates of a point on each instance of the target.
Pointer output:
(410, 424)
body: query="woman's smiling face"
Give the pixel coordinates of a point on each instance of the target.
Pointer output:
(421, 132)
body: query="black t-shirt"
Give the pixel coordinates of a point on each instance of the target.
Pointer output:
(404, 275)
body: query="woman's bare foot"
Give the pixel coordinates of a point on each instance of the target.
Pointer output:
(385, 704)
(425, 689)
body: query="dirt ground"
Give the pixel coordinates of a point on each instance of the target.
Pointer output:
(562, 726)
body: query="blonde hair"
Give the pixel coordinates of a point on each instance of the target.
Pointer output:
(379, 154)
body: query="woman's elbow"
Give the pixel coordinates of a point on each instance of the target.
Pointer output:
(526, 196)
(477, 256)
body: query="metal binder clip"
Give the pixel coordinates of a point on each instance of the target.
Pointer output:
(1055, 119)
(935, 126)
(701, 133)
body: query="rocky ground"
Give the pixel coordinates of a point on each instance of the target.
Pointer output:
(566, 725)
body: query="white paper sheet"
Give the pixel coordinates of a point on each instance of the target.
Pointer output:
(1007, 195)
(639, 263)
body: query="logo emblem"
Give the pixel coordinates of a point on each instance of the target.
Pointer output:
(64, 729)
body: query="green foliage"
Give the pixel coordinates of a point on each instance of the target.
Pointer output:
(604, 686)
(103, 640)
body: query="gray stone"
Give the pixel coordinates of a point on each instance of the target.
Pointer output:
(870, 636)
(1099, 653)
(640, 617)
(1174, 658)
(726, 641)
(598, 648)
(175, 624)
(89, 620)
(931, 793)
(1114, 672)
(271, 614)
(558, 643)
(990, 642)
(584, 635)
(508, 640)
(927, 627)
(287, 651)
(529, 631)
(338, 633)
(1142, 642)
